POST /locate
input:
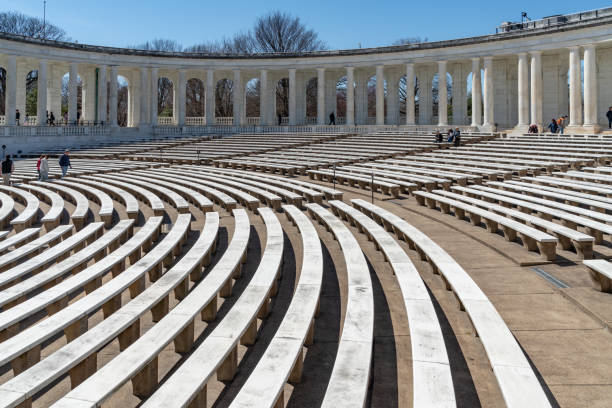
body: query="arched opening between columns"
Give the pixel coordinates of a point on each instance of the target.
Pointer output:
(195, 102)
(252, 108)
(282, 101)
(66, 98)
(224, 107)
(2, 95)
(341, 101)
(165, 101)
(123, 101)
(28, 116)
(311, 101)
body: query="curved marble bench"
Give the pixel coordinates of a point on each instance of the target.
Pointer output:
(77, 198)
(103, 199)
(29, 214)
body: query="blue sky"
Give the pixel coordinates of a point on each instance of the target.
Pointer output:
(340, 24)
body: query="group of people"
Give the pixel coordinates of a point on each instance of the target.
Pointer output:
(42, 167)
(452, 136)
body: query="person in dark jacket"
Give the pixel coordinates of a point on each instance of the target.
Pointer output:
(7, 169)
(457, 137)
(332, 119)
(17, 117)
(609, 116)
(439, 137)
(553, 126)
(64, 162)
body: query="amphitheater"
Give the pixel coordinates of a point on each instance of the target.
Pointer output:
(232, 262)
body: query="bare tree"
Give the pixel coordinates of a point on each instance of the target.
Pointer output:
(17, 23)
(159, 44)
(281, 32)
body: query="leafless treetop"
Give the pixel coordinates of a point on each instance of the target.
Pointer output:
(18, 23)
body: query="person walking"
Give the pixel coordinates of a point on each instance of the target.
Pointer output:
(439, 137)
(332, 119)
(609, 116)
(64, 162)
(51, 119)
(38, 165)
(44, 168)
(457, 137)
(8, 167)
(552, 126)
(17, 116)
(561, 123)
(280, 119)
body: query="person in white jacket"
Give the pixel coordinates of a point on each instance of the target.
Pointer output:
(44, 168)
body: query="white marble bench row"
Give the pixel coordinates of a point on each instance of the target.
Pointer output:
(34, 247)
(601, 190)
(406, 186)
(23, 349)
(57, 293)
(582, 243)
(29, 214)
(51, 218)
(79, 356)
(349, 380)
(94, 250)
(283, 358)
(431, 372)
(392, 189)
(461, 178)
(7, 207)
(594, 228)
(600, 271)
(216, 196)
(428, 183)
(518, 383)
(77, 198)
(92, 193)
(244, 198)
(56, 252)
(19, 238)
(532, 238)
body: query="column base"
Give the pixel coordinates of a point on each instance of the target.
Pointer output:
(486, 128)
(582, 129)
(519, 130)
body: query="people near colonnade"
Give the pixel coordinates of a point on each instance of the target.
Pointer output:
(457, 137)
(64, 162)
(609, 116)
(280, 119)
(561, 123)
(38, 165)
(438, 138)
(8, 167)
(332, 119)
(44, 168)
(533, 128)
(552, 126)
(17, 117)
(51, 119)
(450, 135)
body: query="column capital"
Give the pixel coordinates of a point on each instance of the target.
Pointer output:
(475, 59)
(350, 68)
(522, 55)
(320, 69)
(536, 53)
(574, 48)
(589, 47)
(488, 58)
(410, 64)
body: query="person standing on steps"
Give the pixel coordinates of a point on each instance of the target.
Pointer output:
(332, 119)
(64, 162)
(17, 117)
(609, 116)
(8, 167)
(457, 137)
(38, 165)
(44, 168)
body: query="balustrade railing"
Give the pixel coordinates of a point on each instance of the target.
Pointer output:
(252, 121)
(195, 121)
(165, 120)
(228, 120)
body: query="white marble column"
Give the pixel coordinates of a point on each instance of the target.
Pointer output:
(292, 97)
(55, 75)
(350, 96)
(442, 95)
(41, 111)
(210, 97)
(320, 96)
(181, 97)
(238, 97)
(536, 88)
(380, 95)
(392, 117)
(154, 94)
(410, 94)
(11, 90)
(89, 95)
(112, 100)
(263, 98)
(361, 98)
(575, 88)
(144, 97)
(102, 94)
(488, 97)
(523, 90)
(476, 93)
(590, 87)
(72, 92)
